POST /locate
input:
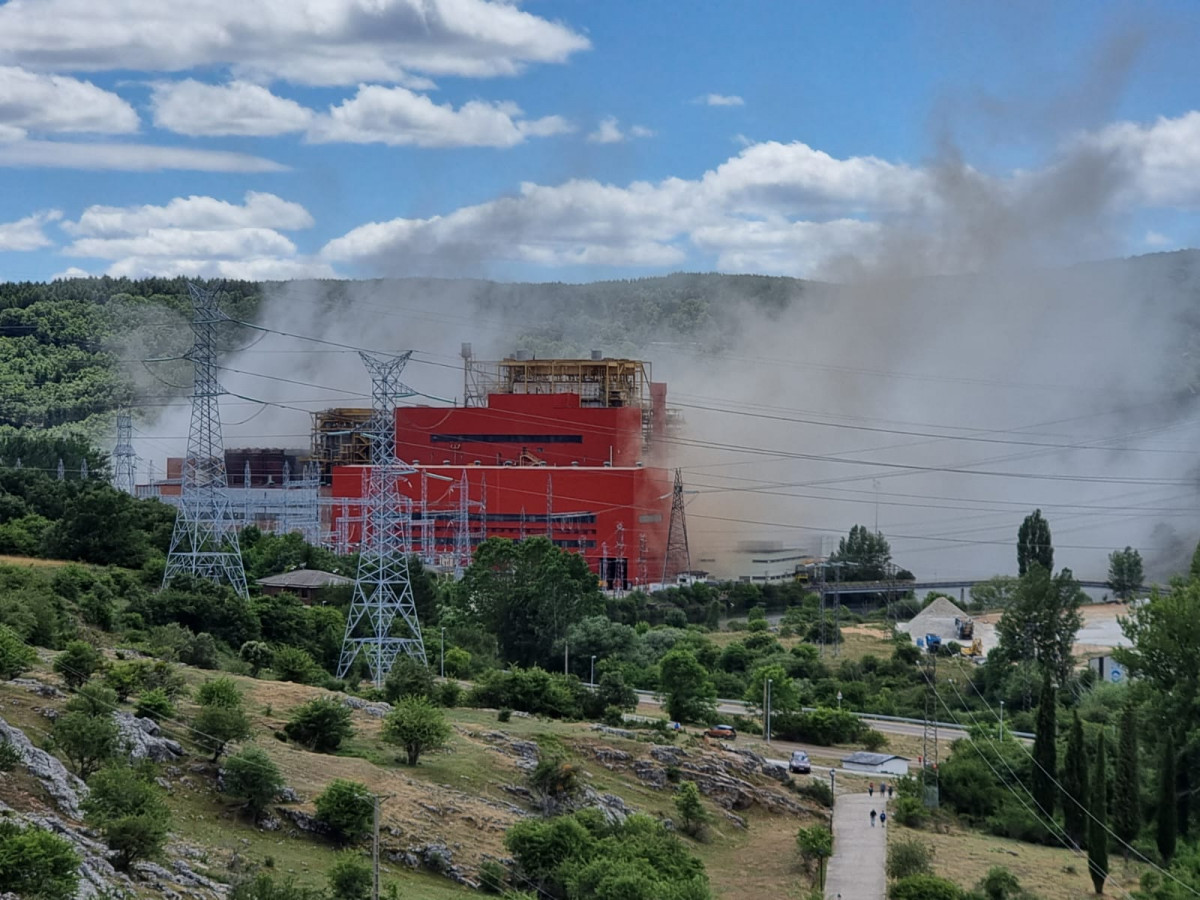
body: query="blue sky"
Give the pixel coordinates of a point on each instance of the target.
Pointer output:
(572, 141)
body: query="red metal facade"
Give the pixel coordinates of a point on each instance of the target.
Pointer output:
(535, 466)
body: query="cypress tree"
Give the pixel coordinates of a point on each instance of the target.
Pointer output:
(1075, 784)
(1167, 810)
(1097, 831)
(1045, 748)
(1183, 791)
(1127, 813)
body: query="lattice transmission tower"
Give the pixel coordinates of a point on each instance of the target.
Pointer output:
(382, 622)
(205, 540)
(124, 459)
(678, 558)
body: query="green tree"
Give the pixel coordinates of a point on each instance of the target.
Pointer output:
(1163, 634)
(215, 727)
(995, 593)
(785, 695)
(417, 726)
(1041, 622)
(1127, 813)
(1166, 833)
(1034, 544)
(1125, 573)
(263, 887)
(1045, 747)
(528, 594)
(613, 691)
(346, 808)
(87, 742)
(154, 704)
(76, 664)
(865, 554)
(129, 810)
(94, 700)
(816, 845)
(924, 887)
(693, 817)
(350, 877)
(257, 655)
(909, 856)
(252, 776)
(690, 695)
(126, 678)
(321, 724)
(1075, 794)
(1098, 820)
(37, 864)
(16, 657)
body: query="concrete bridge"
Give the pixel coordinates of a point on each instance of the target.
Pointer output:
(897, 587)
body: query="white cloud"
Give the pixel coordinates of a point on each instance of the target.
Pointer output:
(609, 132)
(397, 116)
(260, 210)
(197, 236)
(241, 108)
(1163, 158)
(325, 42)
(27, 233)
(32, 102)
(720, 100)
(764, 204)
(1156, 239)
(128, 158)
(71, 272)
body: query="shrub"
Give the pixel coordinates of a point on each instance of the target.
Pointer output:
(924, 887)
(252, 776)
(417, 726)
(36, 864)
(16, 657)
(10, 756)
(293, 664)
(154, 704)
(613, 716)
(503, 715)
(346, 808)
(492, 876)
(820, 726)
(816, 789)
(816, 845)
(130, 812)
(458, 663)
(909, 811)
(257, 655)
(93, 700)
(86, 741)
(167, 678)
(320, 724)
(449, 693)
(221, 692)
(200, 651)
(408, 678)
(126, 678)
(874, 741)
(263, 887)
(554, 779)
(693, 817)
(1001, 884)
(350, 877)
(77, 663)
(908, 856)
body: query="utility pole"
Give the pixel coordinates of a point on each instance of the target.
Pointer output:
(375, 852)
(443, 654)
(767, 710)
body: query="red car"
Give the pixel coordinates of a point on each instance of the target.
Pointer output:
(723, 732)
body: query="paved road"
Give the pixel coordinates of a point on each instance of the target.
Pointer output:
(856, 869)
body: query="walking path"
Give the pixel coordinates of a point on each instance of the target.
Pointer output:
(856, 869)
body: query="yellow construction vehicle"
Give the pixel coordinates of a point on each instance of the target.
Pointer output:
(975, 650)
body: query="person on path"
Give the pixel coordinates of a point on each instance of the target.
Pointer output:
(870, 789)
(889, 792)
(872, 818)
(883, 820)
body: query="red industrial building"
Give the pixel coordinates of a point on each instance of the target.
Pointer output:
(558, 448)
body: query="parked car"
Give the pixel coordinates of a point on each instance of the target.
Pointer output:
(800, 763)
(724, 732)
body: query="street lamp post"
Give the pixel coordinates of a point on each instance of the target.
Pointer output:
(1001, 720)
(593, 678)
(832, 795)
(839, 699)
(767, 710)
(443, 652)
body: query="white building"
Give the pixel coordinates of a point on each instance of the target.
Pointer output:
(875, 763)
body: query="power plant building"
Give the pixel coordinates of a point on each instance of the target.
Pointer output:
(560, 448)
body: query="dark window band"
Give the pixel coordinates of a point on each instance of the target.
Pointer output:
(506, 438)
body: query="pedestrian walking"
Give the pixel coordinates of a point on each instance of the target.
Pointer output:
(870, 789)
(883, 820)
(873, 818)
(889, 792)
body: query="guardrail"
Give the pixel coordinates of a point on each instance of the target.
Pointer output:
(876, 717)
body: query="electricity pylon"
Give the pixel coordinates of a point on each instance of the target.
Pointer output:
(677, 559)
(205, 540)
(382, 622)
(124, 459)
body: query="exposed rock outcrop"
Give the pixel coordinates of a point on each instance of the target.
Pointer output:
(65, 789)
(143, 739)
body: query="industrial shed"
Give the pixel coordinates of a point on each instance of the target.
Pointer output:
(875, 763)
(304, 583)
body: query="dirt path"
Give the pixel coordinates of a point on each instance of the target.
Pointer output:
(859, 850)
